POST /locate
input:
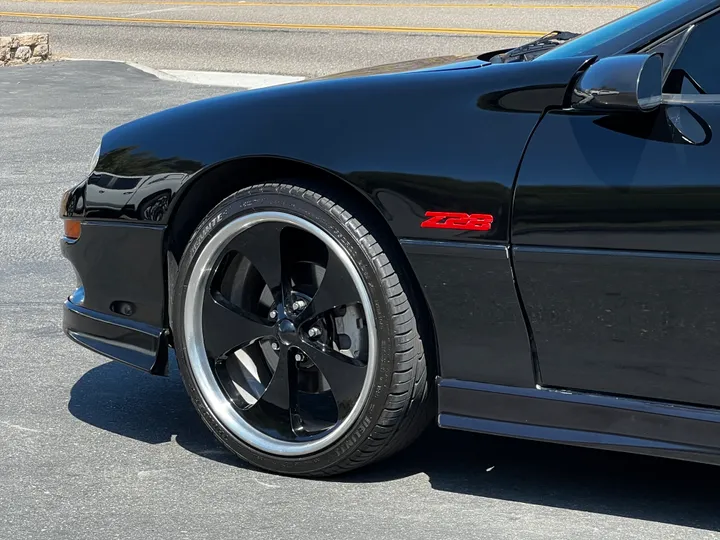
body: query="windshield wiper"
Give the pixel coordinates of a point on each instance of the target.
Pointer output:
(532, 50)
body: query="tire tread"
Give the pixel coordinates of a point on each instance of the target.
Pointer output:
(407, 409)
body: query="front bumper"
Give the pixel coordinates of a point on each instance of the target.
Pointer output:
(133, 343)
(119, 307)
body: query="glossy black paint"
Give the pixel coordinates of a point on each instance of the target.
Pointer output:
(418, 138)
(581, 419)
(147, 166)
(620, 290)
(480, 328)
(586, 315)
(440, 117)
(119, 262)
(136, 344)
(658, 192)
(630, 323)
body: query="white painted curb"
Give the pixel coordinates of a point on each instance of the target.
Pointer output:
(235, 80)
(209, 78)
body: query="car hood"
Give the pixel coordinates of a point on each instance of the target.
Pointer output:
(437, 63)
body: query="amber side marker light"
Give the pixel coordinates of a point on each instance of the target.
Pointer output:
(72, 229)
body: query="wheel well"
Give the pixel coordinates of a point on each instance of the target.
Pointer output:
(217, 183)
(214, 185)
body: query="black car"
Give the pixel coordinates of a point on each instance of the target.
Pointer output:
(524, 243)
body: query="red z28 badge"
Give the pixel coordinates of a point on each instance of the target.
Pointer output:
(457, 220)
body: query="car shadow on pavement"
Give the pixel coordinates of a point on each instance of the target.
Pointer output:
(154, 409)
(131, 403)
(597, 481)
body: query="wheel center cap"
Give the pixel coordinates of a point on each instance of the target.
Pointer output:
(286, 331)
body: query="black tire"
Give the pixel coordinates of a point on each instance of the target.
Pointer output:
(399, 405)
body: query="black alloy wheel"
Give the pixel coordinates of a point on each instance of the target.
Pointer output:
(294, 335)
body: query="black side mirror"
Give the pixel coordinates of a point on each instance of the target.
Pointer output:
(628, 82)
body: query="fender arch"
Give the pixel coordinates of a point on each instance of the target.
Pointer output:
(206, 189)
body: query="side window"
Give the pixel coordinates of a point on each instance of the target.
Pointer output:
(125, 183)
(697, 68)
(100, 180)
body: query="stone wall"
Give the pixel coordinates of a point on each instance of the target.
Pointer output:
(27, 48)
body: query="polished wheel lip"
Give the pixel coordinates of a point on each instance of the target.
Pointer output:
(200, 364)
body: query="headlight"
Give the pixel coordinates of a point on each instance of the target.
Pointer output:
(95, 160)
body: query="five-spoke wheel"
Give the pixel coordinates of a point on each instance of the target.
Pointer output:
(278, 333)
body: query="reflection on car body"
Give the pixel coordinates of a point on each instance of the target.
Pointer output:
(563, 288)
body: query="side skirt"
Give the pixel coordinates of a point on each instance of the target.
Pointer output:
(595, 421)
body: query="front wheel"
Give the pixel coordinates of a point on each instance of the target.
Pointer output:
(295, 337)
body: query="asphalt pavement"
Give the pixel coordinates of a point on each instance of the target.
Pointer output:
(93, 450)
(295, 37)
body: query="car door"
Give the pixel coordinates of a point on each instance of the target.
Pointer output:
(616, 238)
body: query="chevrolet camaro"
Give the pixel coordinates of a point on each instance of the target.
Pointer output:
(524, 242)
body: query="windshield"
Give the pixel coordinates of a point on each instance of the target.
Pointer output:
(532, 50)
(654, 15)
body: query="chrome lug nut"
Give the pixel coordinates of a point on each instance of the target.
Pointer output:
(314, 332)
(273, 314)
(275, 346)
(298, 304)
(298, 357)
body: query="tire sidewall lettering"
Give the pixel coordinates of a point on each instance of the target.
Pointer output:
(205, 232)
(315, 212)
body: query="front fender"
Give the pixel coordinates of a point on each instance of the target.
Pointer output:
(447, 140)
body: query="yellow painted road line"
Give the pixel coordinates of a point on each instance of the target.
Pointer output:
(284, 26)
(240, 3)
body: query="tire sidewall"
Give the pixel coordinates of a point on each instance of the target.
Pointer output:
(260, 199)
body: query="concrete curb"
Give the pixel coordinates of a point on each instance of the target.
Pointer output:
(227, 79)
(237, 80)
